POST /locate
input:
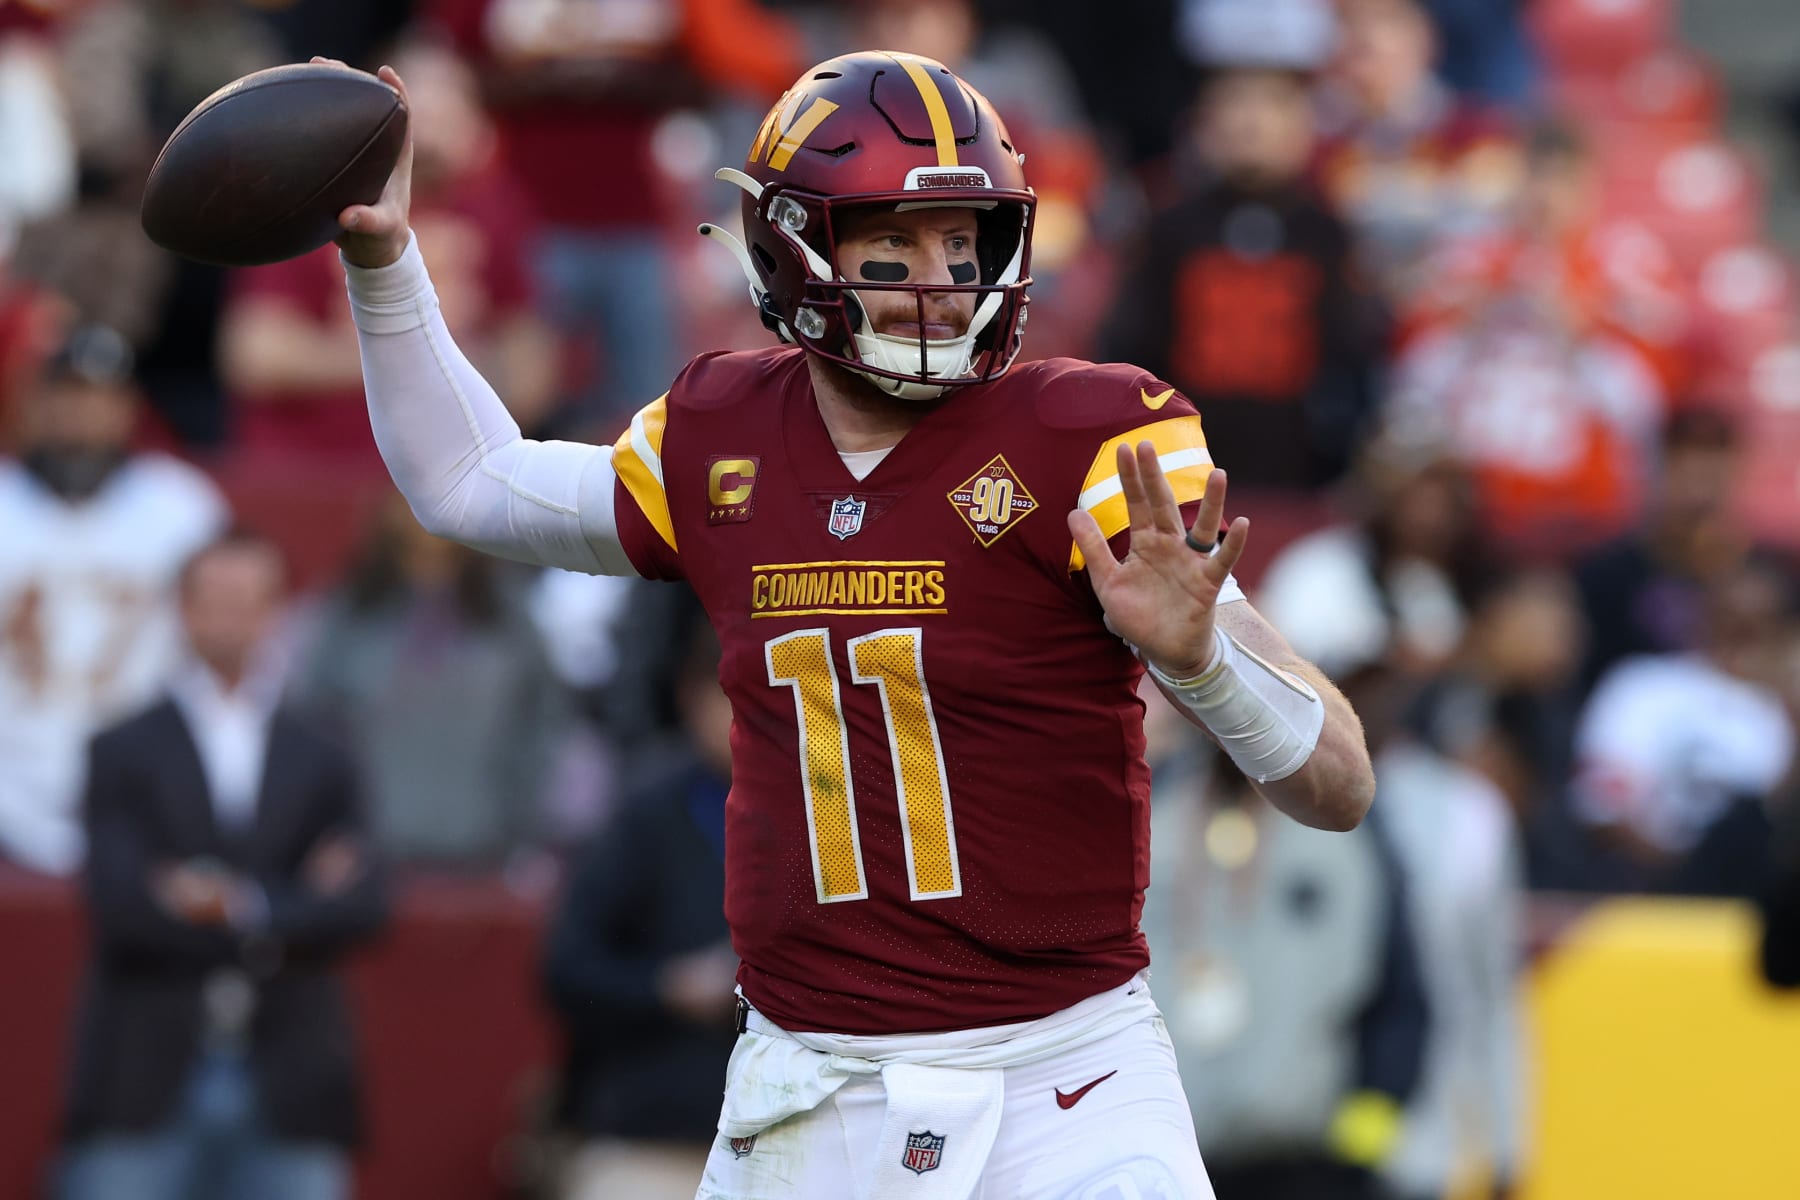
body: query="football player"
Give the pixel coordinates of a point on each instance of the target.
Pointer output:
(936, 577)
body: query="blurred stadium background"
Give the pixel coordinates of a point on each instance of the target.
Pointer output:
(1491, 309)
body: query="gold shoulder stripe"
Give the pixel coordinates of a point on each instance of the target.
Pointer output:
(942, 132)
(1180, 449)
(637, 457)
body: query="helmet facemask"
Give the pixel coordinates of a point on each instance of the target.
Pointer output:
(830, 316)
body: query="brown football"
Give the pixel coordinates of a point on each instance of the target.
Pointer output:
(260, 170)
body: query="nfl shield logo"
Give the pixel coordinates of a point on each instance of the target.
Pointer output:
(741, 1146)
(846, 516)
(923, 1151)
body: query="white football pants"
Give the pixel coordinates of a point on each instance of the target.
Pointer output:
(1129, 1136)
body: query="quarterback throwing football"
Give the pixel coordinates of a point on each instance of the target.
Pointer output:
(936, 577)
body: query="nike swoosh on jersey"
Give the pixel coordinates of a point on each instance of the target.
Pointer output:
(1071, 1099)
(1157, 401)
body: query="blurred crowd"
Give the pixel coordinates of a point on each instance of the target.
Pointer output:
(1471, 297)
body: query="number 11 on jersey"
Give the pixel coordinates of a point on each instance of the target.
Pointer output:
(891, 660)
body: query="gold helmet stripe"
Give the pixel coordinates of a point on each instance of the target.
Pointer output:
(941, 130)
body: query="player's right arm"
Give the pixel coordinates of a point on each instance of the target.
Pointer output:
(453, 449)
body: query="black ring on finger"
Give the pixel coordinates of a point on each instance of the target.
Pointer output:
(1202, 547)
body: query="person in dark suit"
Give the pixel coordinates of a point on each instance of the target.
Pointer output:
(638, 960)
(228, 872)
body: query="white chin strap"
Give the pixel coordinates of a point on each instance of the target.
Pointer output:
(949, 359)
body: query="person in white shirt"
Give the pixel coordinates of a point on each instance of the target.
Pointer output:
(94, 535)
(1670, 743)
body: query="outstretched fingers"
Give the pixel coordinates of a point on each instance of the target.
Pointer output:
(1206, 529)
(1224, 560)
(1165, 509)
(1148, 498)
(1212, 509)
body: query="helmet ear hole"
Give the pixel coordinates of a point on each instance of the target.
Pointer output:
(997, 237)
(765, 262)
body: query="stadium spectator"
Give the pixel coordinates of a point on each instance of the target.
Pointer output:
(1403, 159)
(287, 345)
(133, 71)
(94, 536)
(1555, 254)
(1392, 582)
(428, 662)
(639, 964)
(1679, 753)
(1543, 354)
(1290, 983)
(1242, 293)
(1504, 704)
(578, 87)
(1644, 592)
(229, 872)
(1395, 607)
(1458, 845)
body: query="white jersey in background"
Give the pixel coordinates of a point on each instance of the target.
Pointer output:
(87, 631)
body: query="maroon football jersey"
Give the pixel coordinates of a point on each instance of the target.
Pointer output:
(939, 813)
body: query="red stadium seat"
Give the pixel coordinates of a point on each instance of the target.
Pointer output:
(1743, 301)
(1701, 196)
(1771, 489)
(1587, 34)
(1667, 91)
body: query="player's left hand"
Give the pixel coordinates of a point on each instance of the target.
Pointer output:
(1161, 597)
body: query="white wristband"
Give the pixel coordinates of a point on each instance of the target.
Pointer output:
(1266, 720)
(394, 298)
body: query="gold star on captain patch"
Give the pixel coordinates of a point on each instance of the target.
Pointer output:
(992, 500)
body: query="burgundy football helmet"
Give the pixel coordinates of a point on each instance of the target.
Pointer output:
(883, 129)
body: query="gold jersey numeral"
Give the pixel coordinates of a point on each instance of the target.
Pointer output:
(893, 661)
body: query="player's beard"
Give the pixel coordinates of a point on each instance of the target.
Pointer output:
(74, 473)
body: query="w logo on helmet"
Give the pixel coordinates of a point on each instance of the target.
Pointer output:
(794, 132)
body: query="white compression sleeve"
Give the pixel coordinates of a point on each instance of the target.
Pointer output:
(1266, 719)
(454, 450)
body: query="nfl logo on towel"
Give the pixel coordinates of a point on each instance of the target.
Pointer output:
(923, 1152)
(741, 1146)
(846, 516)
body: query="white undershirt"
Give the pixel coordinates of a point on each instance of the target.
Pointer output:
(230, 728)
(860, 462)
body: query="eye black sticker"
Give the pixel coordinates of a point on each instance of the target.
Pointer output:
(962, 272)
(884, 272)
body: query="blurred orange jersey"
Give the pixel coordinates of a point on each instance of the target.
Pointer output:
(1616, 279)
(939, 807)
(1546, 366)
